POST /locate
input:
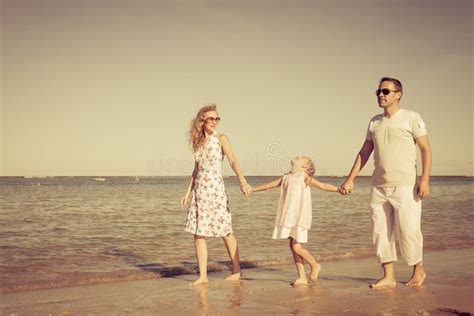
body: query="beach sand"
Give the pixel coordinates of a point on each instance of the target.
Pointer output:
(342, 289)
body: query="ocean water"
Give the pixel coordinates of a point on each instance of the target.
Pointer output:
(75, 230)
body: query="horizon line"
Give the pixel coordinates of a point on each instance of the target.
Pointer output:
(225, 176)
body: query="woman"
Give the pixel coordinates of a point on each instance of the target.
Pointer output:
(208, 214)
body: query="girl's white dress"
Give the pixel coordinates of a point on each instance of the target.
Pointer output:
(294, 212)
(208, 213)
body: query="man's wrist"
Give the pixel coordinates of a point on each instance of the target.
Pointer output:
(425, 179)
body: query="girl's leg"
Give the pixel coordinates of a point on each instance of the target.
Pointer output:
(306, 255)
(299, 263)
(201, 255)
(233, 251)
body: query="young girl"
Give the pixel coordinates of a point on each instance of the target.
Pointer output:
(294, 213)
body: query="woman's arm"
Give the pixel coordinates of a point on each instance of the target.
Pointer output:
(185, 198)
(311, 181)
(234, 164)
(269, 185)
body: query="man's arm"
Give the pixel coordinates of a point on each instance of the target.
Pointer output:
(359, 163)
(423, 188)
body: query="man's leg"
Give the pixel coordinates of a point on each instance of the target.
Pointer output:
(408, 221)
(418, 276)
(388, 279)
(383, 235)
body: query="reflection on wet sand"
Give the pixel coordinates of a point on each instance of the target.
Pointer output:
(233, 296)
(204, 307)
(305, 295)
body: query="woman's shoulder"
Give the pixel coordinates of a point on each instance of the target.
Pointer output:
(222, 137)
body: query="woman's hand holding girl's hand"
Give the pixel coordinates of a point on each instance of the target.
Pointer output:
(246, 188)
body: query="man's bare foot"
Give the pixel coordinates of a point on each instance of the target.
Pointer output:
(233, 277)
(313, 276)
(300, 281)
(199, 281)
(416, 279)
(384, 283)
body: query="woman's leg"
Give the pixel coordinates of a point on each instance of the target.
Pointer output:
(233, 251)
(201, 255)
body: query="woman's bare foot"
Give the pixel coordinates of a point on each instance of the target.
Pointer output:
(233, 277)
(300, 281)
(200, 281)
(313, 276)
(384, 282)
(417, 279)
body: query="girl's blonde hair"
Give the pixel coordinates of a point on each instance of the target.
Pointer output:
(196, 136)
(309, 166)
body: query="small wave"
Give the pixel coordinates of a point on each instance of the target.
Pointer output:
(154, 270)
(446, 311)
(448, 245)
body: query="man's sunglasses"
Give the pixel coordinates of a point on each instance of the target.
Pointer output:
(385, 91)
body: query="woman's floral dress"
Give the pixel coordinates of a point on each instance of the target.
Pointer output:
(208, 213)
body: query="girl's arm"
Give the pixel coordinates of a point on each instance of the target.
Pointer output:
(185, 198)
(266, 186)
(311, 181)
(234, 164)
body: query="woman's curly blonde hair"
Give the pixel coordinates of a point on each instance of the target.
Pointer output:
(197, 137)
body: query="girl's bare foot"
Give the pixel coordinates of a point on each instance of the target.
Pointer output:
(384, 282)
(300, 281)
(200, 281)
(313, 276)
(416, 279)
(233, 277)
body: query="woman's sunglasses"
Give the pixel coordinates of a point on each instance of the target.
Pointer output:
(212, 119)
(385, 91)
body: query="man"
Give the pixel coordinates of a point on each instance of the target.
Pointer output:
(396, 196)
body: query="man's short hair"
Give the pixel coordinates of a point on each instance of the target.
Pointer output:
(396, 82)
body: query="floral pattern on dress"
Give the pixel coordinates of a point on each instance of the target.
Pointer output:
(208, 213)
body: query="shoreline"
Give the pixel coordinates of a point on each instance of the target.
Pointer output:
(153, 271)
(342, 288)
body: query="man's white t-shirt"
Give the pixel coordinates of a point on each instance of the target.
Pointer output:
(394, 141)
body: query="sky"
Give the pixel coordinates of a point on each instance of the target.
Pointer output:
(104, 88)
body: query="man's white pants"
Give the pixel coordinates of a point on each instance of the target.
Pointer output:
(396, 211)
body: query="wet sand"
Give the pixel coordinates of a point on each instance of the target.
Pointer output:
(342, 289)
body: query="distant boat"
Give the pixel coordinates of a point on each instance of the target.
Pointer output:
(137, 178)
(99, 179)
